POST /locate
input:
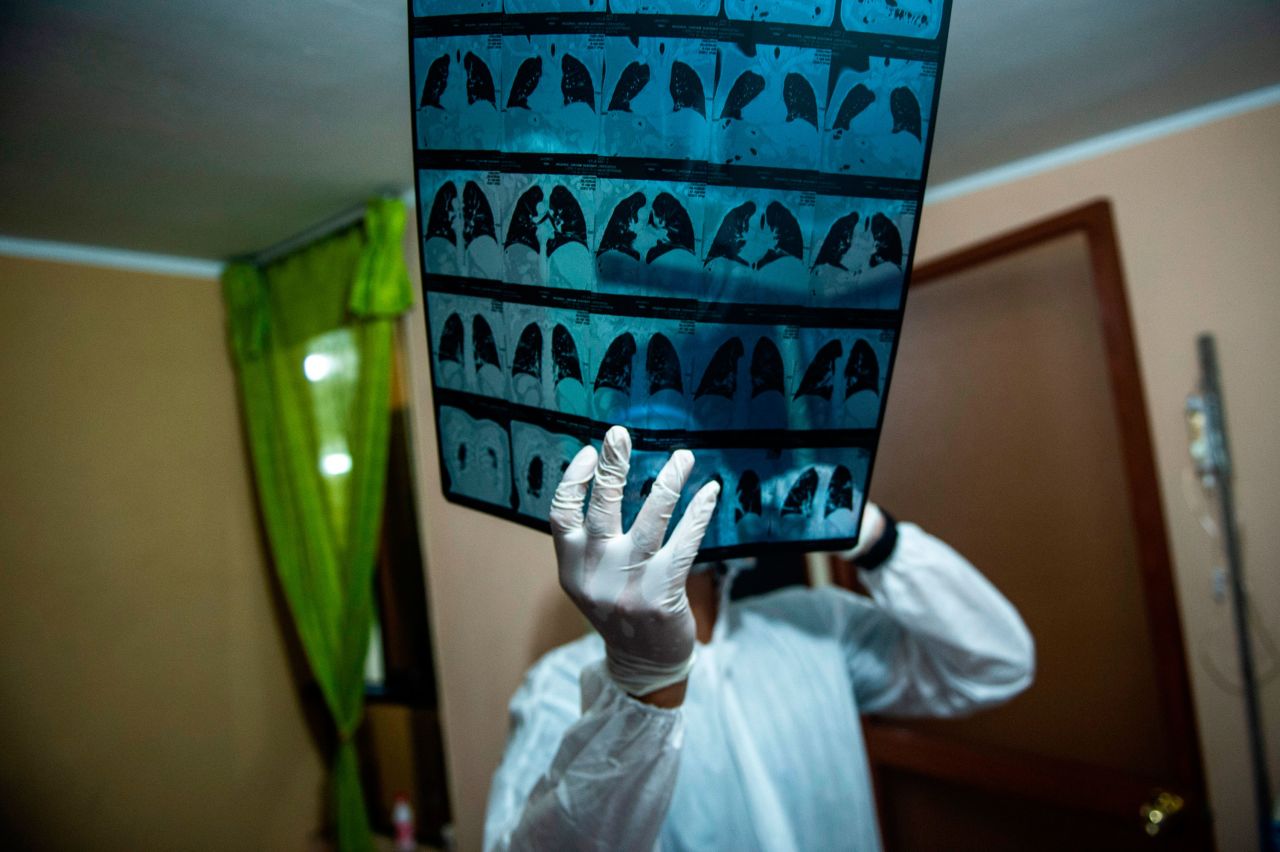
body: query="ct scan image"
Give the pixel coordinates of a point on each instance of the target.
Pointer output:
(812, 13)
(769, 107)
(837, 377)
(877, 120)
(457, 81)
(540, 457)
(649, 238)
(756, 244)
(551, 95)
(476, 454)
(741, 515)
(462, 232)
(551, 362)
(664, 371)
(913, 18)
(468, 345)
(858, 255)
(820, 496)
(740, 378)
(549, 230)
(657, 97)
(613, 392)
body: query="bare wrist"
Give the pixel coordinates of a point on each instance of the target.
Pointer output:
(667, 697)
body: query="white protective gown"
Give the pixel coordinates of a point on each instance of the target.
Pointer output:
(767, 751)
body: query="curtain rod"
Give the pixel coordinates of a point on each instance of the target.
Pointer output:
(302, 239)
(338, 222)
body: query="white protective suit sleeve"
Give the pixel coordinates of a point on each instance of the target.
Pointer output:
(610, 783)
(940, 641)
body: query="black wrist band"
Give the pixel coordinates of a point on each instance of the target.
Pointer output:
(883, 548)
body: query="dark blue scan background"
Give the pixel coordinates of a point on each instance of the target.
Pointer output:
(695, 218)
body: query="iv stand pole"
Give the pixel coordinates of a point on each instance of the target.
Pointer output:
(1219, 466)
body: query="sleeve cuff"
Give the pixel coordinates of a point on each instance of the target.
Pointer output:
(602, 692)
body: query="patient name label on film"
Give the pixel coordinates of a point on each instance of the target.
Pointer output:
(694, 218)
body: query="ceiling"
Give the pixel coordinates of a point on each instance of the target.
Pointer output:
(210, 129)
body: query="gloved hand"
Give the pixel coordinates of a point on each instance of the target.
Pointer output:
(869, 533)
(630, 586)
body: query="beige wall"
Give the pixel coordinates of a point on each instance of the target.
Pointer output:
(1199, 220)
(496, 605)
(145, 699)
(1198, 216)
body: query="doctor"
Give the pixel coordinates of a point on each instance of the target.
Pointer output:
(688, 722)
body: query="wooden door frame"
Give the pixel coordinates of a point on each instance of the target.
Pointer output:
(897, 747)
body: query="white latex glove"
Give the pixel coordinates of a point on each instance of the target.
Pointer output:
(629, 585)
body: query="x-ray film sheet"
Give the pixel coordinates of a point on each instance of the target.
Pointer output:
(695, 218)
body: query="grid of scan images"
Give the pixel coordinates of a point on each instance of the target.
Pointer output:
(694, 218)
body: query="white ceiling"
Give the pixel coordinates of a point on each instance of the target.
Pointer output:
(214, 128)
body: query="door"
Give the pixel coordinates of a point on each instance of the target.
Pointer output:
(1016, 430)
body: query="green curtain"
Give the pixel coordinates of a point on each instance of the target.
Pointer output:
(312, 338)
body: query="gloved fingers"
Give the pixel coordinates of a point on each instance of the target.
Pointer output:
(604, 513)
(571, 493)
(655, 515)
(688, 534)
(868, 534)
